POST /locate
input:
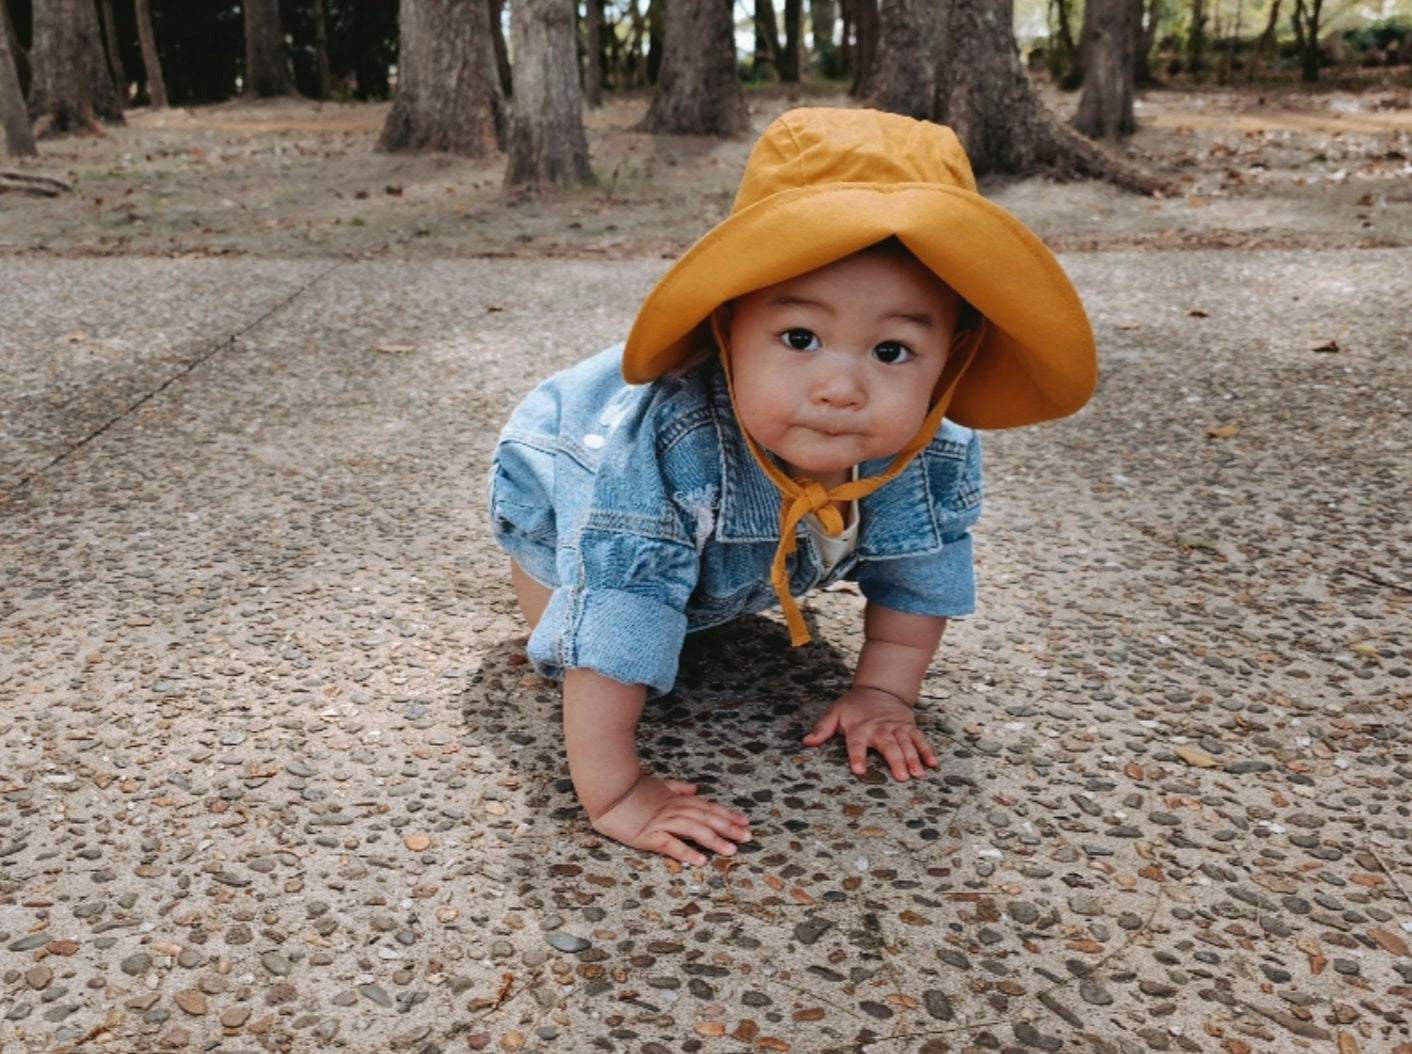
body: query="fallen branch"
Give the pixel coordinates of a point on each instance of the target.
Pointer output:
(1373, 578)
(45, 186)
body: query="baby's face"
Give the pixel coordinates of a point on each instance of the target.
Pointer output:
(838, 365)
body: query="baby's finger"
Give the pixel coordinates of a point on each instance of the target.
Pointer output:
(701, 832)
(680, 787)
(824, 729)
(924, 750)
(670, 845)
(901, 758)
(857, 754)
(719, 818)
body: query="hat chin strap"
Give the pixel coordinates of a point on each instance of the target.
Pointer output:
(800, 497)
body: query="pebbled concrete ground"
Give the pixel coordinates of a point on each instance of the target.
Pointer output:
(274, 775)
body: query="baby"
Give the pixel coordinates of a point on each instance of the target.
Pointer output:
(794, 406)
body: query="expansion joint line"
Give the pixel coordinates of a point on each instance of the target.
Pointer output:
(186, 368)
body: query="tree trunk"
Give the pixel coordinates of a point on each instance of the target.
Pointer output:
(593, 53)
(985, 95)
(113, 49)
(1066, 64)
(1306, 18)
(905, 82)
(698, 91)
(72, 88)
(823, 16)
(788, 59)
(323, 77)
(1266, 43)
(1196, 39)
(266, 64)
(548, 146)
(1106, 108)
(1145, 36)
(765, 63)
(865, 47)
(656, 39)
(448, 96)
(156, 85)
(18, 55)
(503, 70)
(19, 137)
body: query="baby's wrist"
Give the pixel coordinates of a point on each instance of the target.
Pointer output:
(596, 814)
(910, 704)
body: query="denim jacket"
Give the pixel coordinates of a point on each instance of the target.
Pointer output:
(641, 507)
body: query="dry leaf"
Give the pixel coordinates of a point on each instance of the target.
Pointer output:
(1197, 758)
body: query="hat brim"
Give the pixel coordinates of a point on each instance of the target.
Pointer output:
(1036, 358)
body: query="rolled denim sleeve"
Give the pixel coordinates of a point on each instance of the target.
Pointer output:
(939, 583)
(624, 616)
(627, 564)
(934, 575)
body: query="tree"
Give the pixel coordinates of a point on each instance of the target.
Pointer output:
(861, 16)
(698, 89)
(19, 137)
(548, 145)
(266, 61)
(765, 65)
(1265, 44)
(18, 55)
(448, 95)
(323, 73)
(593, 53)
(1306, 18)
(823, 16)
(905, 82)
(496, 10)
(986, 96)
(1196, 38)
(156, 85)
(71, 87)
(789, 58)
(1110, 39)
(112, 48)
(1065, 62)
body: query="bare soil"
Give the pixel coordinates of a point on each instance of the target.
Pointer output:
(1257, 168)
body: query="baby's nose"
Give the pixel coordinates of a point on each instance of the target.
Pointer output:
(838, 386)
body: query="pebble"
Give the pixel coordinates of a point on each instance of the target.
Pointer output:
(375, 994)
(567, 942)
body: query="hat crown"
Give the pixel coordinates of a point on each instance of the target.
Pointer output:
(816, 147)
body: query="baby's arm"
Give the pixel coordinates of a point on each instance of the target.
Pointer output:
(623, 802)
(877, 711)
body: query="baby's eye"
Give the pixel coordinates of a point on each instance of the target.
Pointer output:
(800, 339)
(892, 352)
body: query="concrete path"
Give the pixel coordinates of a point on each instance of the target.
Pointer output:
(273, 775)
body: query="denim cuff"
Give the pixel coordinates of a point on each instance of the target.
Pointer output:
(630, 638)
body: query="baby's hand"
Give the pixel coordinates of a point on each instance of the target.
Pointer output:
(867, 718)
(660, 814)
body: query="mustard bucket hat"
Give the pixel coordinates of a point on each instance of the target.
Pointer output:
(821, 184)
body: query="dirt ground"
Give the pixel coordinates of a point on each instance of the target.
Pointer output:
(1257, 168)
